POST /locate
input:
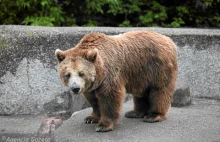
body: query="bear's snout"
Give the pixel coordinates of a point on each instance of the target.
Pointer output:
(75, 88)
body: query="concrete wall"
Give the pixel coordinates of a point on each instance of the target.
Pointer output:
(28, 74)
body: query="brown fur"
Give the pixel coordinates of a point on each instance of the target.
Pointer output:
(143, 63)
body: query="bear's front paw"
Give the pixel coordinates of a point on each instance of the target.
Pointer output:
(101, 128)
(91, 120)
(133, 114)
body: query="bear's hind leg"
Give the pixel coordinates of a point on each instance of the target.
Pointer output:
(141, 107)
(95, 116)
(160, 102)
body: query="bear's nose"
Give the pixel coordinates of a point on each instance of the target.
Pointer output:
(75, 88)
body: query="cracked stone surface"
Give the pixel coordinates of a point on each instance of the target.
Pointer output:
(29, 88)
(201, 69)
(198, 122)
(181, 96)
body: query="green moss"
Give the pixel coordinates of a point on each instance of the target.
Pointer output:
(3, 43)
(31, 34)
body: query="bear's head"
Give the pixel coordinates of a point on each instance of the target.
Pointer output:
(77, 68)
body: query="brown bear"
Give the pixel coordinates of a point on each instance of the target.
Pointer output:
(102, 68)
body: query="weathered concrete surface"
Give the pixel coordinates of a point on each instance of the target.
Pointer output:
(29, 79)
(181, 96)
(20, 124)
(23, 128)
(27, 89)
(197, 123)
(65, 104)
(201, 69)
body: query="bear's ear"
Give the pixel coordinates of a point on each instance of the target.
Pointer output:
(59, 55)
(91, 55)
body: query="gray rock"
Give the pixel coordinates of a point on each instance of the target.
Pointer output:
(181, 96)
(78, 103)
(60, 106)
(27, 128)
(65, 104)
(191, 124)
(128, 97)
(27, 89)
(25, 124)
(49, 125)
(182, 124)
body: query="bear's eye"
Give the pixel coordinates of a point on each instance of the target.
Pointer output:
(67, 76)
(81, 74)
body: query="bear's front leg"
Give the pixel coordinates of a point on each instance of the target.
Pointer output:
(95, 116)
(110, 108)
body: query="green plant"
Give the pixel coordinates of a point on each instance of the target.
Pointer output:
(126, 23)
(123, 13)
(154, 16)
(32, 12)
(49, 14)
(177, 22)
(125, 8)
(90, 23)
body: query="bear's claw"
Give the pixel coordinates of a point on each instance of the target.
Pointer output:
(91, 120)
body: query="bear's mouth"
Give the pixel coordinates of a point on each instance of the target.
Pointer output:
(75, 94)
